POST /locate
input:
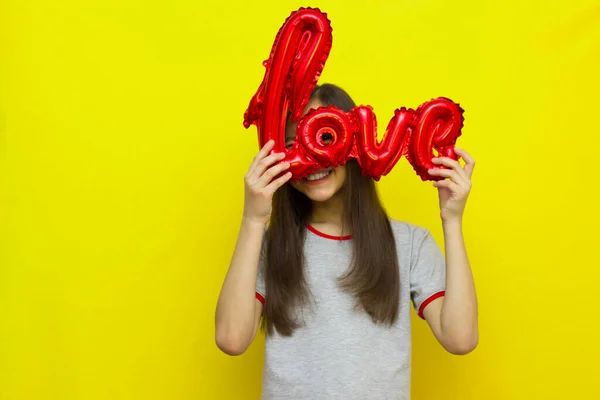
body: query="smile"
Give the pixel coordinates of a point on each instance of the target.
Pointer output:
(318, 176)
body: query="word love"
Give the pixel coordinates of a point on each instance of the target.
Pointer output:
(329, 136)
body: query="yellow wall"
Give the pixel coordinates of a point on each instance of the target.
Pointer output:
(122, 153)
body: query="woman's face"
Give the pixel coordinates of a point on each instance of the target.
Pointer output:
(324, 183)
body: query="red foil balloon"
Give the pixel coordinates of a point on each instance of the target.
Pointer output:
(437, 125)
(377, 158)
(297, 58)
(329, 136)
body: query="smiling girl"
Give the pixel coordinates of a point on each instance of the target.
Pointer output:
(333, 277)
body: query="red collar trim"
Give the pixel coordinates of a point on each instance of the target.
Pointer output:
(326, 236)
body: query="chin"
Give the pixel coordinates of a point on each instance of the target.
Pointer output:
(319, 195)
(322, 185)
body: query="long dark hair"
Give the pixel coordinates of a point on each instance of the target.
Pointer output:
(372, 278)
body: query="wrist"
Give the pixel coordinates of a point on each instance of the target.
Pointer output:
(253, 223)
(452, 223)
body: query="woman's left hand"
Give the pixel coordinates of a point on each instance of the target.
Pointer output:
(453, 191)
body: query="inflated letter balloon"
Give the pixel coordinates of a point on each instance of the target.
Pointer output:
(297, 58)
(378, 158)
(329, 136)
(437, 125)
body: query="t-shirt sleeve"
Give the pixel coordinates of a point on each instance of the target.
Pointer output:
(260, 280)
(427, 270)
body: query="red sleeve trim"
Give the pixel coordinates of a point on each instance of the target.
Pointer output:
(260, 297)
(429, 300)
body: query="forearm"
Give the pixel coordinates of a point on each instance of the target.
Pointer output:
(235, 315)
(458, 316)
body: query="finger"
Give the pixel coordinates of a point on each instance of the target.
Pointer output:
(469, 161)
(448, 173)
(453, 164)
(279, 182)
(265, 163)
(261, 154)
(271, 173)
(450, 185)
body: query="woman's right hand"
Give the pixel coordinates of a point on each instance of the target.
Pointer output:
(260, 185)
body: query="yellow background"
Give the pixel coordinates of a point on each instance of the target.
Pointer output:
(122, 153)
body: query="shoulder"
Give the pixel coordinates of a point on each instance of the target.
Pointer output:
(406, 233)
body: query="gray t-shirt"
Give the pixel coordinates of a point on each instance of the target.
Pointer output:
(339, 353)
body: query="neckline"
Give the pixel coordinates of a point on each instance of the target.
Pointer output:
(326, 236)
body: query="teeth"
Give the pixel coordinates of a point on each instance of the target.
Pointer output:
(315, 177)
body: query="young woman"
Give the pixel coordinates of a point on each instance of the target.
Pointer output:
(333, 278)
